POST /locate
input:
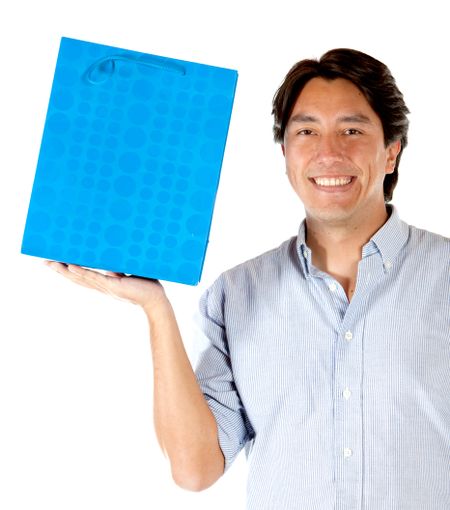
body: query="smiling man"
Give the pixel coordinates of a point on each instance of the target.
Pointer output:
(336, 160)
(328, 357)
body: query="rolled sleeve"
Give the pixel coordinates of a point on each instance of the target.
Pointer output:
(215, 376)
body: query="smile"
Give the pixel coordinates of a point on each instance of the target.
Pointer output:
(332, 181)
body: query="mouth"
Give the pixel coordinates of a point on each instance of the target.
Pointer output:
(333, 184)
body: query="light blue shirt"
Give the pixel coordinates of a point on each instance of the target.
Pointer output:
(341, 406)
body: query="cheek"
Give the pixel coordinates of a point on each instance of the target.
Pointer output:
(381, 166)
(297, 182)
(294, 171)
(291, 175)
(372, 161)
(296, 159)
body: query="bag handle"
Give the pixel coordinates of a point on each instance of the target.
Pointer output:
(103, 68)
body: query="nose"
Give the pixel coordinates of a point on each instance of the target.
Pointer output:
(329, 149)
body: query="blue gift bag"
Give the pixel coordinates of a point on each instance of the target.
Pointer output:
(129, 162)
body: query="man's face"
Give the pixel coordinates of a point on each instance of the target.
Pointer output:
(335, 155)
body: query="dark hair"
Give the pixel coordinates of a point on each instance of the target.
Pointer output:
(374, 80)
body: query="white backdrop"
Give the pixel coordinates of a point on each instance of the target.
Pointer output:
(75, 371)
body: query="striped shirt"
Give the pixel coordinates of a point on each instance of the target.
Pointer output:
(340, 406)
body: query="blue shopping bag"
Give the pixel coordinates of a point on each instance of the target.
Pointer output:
(129, 163)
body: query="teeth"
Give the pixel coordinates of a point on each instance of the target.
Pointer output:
(340, 181)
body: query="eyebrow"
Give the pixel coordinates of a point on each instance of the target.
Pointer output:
(359, 118)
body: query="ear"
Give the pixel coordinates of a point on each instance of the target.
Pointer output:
(392, 152)
(283, 150)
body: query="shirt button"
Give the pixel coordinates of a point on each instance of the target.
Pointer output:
(348, 452)
(347, 393)
(305, 254)
(388, 264)
(348, 336)
(332, 287)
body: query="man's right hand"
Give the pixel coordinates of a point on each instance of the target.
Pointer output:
(144, 292)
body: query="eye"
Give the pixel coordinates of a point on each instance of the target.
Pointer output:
(352, 131)
(305, 132)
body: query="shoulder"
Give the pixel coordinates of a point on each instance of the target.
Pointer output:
(427, 254)
(262, 270)
(265, 263)
(428, 242)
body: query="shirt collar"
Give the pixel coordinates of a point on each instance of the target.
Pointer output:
(390, 239)
(387, 241)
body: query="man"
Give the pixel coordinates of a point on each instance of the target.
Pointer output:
(328, 357)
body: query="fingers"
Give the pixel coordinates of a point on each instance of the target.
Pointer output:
(112, 273)
(81, 276)
(90, 278)
(59, 267)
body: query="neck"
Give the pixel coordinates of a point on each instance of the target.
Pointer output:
(337, 247)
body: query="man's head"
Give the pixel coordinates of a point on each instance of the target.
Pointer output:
(370, 76)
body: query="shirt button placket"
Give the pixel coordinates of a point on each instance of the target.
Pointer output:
(348, 452)
(348, 419)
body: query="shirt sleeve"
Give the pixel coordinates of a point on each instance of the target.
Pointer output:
(214, 373)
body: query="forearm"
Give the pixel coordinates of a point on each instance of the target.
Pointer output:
(185, 426)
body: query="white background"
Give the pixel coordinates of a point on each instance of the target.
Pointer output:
(75, 370)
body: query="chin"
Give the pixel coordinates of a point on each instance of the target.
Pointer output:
(330, 214)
